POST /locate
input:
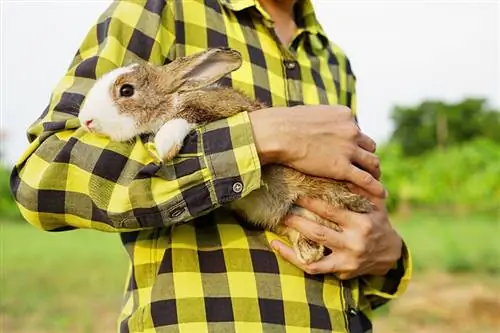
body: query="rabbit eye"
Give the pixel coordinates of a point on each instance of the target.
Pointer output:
(126, 90)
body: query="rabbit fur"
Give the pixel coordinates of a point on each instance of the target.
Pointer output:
(173, 99)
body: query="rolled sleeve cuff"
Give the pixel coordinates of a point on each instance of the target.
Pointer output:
(380, 289)
(231, 158)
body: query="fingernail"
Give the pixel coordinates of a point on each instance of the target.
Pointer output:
(275, 245)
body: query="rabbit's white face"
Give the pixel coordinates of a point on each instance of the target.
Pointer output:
(100, 112)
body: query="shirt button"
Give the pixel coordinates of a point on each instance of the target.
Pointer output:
(291, 65)
(237, 187)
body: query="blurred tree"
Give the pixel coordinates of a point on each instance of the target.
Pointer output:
(435, 124)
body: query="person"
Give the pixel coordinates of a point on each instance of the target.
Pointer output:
(194, 265)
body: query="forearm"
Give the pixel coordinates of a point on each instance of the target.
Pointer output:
(69, 178)
(271, 139)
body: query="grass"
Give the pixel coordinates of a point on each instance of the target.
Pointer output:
(452, 243)
(60, 282)
(73, 281)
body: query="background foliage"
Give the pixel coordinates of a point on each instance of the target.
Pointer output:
(443, 156)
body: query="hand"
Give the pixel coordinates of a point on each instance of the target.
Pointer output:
(322, 141)
(367, 243)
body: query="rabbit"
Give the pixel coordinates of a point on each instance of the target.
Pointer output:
(171, 100)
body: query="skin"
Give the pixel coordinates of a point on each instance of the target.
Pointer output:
(325, 141)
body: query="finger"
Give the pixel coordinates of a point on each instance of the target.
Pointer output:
(367, 143)
(366, 181)
(333, 263)
(368, 161)
(316, 232)
(326, 265)
(325, 210)
(377, 201)
(287, 253)
(330, 264)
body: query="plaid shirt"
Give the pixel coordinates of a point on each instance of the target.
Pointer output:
(212, 273)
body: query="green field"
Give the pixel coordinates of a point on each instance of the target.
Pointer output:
(60, 282)
(73, 281)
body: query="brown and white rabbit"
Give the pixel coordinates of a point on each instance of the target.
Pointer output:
(171, 100)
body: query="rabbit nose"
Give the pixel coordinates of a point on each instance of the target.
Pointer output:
(88, 123)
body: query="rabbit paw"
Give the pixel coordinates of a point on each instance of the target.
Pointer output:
(170, 137)
(308, 251)
(174, 150)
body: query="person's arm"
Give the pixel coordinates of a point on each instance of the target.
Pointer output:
(70, 179)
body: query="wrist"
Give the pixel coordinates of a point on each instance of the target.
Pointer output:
(398, 248)
(392, 257)
(269, 137)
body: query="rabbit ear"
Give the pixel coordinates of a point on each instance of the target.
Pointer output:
(202, 69)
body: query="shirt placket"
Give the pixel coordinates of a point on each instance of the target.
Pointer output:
(290, 65)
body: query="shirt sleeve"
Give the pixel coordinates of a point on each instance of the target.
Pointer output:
(378, 290)
(68, 178)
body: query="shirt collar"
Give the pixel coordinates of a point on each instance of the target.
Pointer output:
(305, 15)
(238, 5)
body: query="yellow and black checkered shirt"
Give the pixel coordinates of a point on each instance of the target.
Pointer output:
(214, 272)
